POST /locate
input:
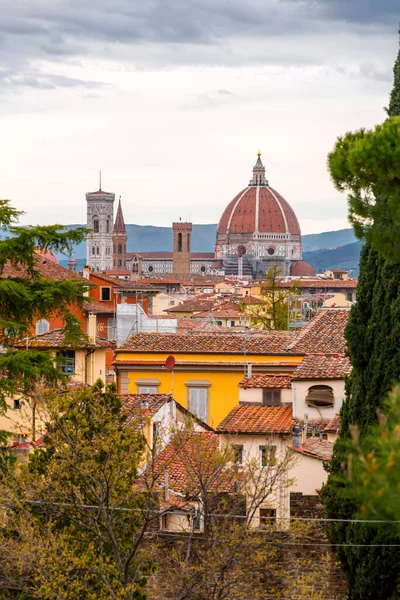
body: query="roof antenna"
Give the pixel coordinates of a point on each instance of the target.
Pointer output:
(100, 180)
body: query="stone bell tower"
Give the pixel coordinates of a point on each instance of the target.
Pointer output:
(182, 233)
(100, 218)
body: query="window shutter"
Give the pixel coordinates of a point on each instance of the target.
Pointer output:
(198, 402)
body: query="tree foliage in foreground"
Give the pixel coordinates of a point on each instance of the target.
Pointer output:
(364, 164)
(73, 522)
(26, 296)
(227, 556)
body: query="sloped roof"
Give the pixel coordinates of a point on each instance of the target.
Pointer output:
(56, 339)
(186, 458)
(323, 366)
(316, 448)
(139, 405)
(119, 225)
(98, 308)
(323, 334)
(334, 425)
(271, 342)
(47, 269)
(258, 419)
(263, 380)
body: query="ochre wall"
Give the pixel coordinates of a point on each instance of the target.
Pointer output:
(223, 393)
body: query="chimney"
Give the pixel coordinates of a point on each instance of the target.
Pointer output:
(296, 440)
(86, 272)
(92, 327)
(249, 370)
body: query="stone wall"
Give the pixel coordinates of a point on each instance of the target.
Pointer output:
(298, 564)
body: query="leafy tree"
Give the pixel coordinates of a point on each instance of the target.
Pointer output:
(226, 556)
(374, 466)
(73, 519)
(25, 295)
(273, 312)
(362, 163)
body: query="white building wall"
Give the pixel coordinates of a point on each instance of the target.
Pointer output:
(300, 391)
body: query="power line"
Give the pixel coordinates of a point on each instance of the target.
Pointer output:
(216, 515)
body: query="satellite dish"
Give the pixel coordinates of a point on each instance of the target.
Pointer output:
(170, 363)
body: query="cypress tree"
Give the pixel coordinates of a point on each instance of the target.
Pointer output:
(373, 339)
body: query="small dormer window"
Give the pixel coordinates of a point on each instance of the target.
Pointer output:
(271, 397)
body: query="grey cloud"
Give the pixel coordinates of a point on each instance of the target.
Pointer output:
(160, 32)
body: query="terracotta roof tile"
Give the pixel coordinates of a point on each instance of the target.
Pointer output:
(56, 339)
(323, 366)
(323, 334)
(321, 285)
(316, 448)
(185, 457)
(264, 380)
(98, 308)
(271, 342)
(258, 419)
(47, 269)
(334, 425)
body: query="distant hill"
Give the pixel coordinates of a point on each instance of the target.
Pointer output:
(344, 257)
(149, 238)
(328, 240)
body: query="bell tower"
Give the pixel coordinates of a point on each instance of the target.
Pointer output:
(100, 217)
(119, 238)
(182, 233)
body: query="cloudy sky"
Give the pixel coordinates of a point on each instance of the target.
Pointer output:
(172, 99)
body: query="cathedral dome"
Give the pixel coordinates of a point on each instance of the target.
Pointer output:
(258, 209)
(301, 269)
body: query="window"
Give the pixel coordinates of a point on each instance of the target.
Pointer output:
(119, 263)
(198, 400)
(16, 405)
(197, 520)
(97, 250)
(219, 323)
(111, 329)
(179, 242)
(320, 396)
(267, 456)
(232, 323)
(147, 390)
(105, 294)
(188, 242)
(96, 225)
(42, 326)
(271, 397)
(93, 250)
(66, 361)
(238, 454)
(349, 296)
(151, 269)
(108, 225)
(271, 251)
(267, 516)
(119, 248)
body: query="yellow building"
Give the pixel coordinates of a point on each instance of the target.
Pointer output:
(82, 364)
(208, 366)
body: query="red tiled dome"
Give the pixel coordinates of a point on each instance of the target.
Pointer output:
(258, 208)
(301, 269)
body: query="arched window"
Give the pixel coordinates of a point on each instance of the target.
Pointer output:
(188, 242)
(97, 250)
(108, 225)
(42, 326)
(119, 248)
(120, 263)
(93, 250)
(96, 225)
(320, 396)
(179, 242)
